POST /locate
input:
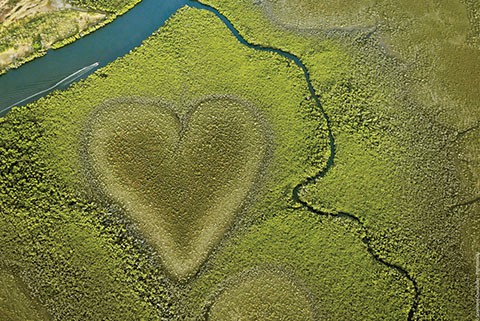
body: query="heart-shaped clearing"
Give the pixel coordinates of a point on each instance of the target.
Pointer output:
(181, 179)
(266, 295)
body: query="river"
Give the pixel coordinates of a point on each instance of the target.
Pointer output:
(60, 67)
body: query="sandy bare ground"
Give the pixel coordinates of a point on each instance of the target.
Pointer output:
(12, 12)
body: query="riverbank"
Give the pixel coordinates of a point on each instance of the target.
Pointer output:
(404, 112)
(271, 233)
(30, 28)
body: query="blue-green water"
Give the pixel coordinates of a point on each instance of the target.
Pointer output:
(59, 68)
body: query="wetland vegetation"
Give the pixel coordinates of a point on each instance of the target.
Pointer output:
(198, 178)
(397, 121)
(16, 303)
(196, 168)
(28, 28)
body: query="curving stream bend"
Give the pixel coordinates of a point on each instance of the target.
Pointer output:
(310, 180)
(14, 79)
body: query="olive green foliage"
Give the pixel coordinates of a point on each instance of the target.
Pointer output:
(33, 35)
(12, 2)
(15, 304)
(326, 13)
(86, 257)
(183, 177)
(468, 163)
(440, 39)
(322, 259)
(105, 5)
(400, 101)
(76, 258)
(177, 74)
(437, 38)
(42, 28)
(262, 295)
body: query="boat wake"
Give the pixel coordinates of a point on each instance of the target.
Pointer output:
(65, 81)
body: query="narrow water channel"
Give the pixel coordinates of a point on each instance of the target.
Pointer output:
(59, 68)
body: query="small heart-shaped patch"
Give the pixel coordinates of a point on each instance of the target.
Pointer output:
(182, 179)
(266, 295)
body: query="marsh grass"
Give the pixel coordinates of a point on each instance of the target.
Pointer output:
(263, 295)
(438, 39)
(320, 267)
(16, 303)
(183, 178)
(308, 14)
(104, 5)
(399, 100)
(392, 168)
(74, 242)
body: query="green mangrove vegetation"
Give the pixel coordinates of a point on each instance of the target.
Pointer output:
(92, 175)
(76, 259)
(324, 258)
(28, 28)
(105, 5)
(183, 177)
(197, 178)
(401, 103)
(17, 305)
